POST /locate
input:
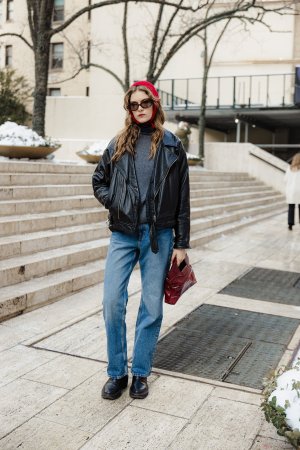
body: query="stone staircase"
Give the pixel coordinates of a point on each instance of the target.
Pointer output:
(53, 232)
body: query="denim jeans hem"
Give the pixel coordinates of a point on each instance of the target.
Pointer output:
(141, 375)
(118, 377)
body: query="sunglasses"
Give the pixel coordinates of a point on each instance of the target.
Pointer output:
(145, 104)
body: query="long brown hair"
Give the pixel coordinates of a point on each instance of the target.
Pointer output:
(127, 137)
(295, 165)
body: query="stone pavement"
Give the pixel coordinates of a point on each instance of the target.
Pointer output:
(52, 365)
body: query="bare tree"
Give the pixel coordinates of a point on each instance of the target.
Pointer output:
(165, 43)
(40, 13)
(207, 57)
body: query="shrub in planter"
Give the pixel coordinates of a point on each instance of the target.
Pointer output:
(281, 403)
(17, 141)
(94, 152)
(193, 160)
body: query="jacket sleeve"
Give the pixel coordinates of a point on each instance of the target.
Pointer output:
(101, 179)
(182, 227)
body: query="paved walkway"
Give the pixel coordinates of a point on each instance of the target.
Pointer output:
(52, 366)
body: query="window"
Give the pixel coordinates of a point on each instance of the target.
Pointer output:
(57, 56)
(9, 9)
(89, 12)
(1, 12)
(8, 55)
(54, 92)
(58, 12)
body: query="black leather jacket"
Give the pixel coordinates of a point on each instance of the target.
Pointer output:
(168, 200)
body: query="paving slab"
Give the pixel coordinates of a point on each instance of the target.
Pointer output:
(262, 443)
(238, 396)
(135, 428)
(19, 360)
(10, 337)
(64, 371)
(23, 399)
(39, 434)
(54, 400)
(176, 397)
(221, 424)
(268, 431)
(83, 408)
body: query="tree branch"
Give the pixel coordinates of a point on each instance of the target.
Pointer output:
(20, 37)
(154, 40)
(125, 46)
(116, 2)
(163, 39)
(111, 72)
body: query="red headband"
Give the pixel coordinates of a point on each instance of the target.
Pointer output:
(149, 86)
(155, 94)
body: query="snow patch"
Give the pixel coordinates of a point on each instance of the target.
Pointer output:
(287, 393)
(13, 134)
(97, 148)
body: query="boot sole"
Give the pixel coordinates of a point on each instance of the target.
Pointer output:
(138, 396)
(113, 397)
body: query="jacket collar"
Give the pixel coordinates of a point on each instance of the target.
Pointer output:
(169, 139)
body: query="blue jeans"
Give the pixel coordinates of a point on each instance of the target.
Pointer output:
(123, 254)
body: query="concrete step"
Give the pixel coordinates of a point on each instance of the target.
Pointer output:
(208, 223)
(31, 179)
(47, 205)
(222, 184)
(213, 176)
(23, 206)
(44, 167)
(29, 223)
(40, 191)
(23, 268)
(202, 201)
(32, 294)
(28, 295)
(53, 235)
(23, 244)
(205, 236)
(206, 211)
(219, 192)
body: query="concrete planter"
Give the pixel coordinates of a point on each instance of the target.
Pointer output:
(93, 159)
(19, 151)
(193, 162)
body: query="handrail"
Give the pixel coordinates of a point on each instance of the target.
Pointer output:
(266, 161)
(233, 91)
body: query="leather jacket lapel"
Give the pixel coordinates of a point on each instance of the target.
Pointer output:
(165, 158)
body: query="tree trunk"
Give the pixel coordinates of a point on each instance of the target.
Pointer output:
(41, 82)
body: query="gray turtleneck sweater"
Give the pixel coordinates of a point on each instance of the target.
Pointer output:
(144, 168)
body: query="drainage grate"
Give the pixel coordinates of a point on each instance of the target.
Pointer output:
(276, 286)
(226, 344)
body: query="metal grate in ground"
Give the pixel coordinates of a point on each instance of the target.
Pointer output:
(226, 344)
(276, 286)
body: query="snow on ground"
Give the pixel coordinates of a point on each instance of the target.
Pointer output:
(13, 134)
(287, 393)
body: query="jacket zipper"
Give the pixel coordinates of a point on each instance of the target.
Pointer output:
(155, 194)
(165, 176)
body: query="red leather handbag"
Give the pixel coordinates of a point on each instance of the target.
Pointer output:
(179, 279)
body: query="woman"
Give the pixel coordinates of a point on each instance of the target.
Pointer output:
(143, 180)
(292, 178)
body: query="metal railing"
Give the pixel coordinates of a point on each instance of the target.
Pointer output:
(241, 91)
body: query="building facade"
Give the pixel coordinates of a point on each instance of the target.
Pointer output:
(88, 106)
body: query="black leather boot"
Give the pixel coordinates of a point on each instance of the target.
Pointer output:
(113, 387)
(139, 387)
